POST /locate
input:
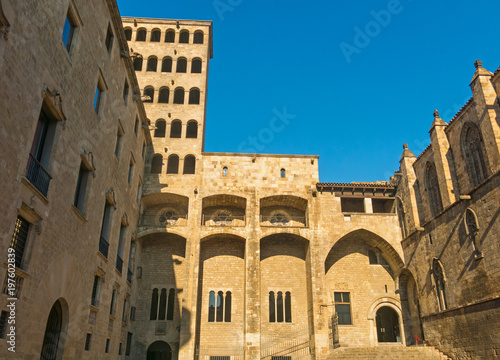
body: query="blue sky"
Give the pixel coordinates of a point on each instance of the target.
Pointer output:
(353, 80)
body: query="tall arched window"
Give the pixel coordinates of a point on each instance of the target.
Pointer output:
(184, 37)
(211, 306)
(181, 65)
(401, 217)
(227, 310)
(439, 280)
(472, 229)
(138, 63)
(159, 350)
(288, 307)
(472, 150)
(220, 307)
(160, 128)
(156, 164)
(192, 129)
(170, 305)
(194, 96)
(198, 37)
(179, 96)
(170, 36)
(150, 92)
(283, 173)
(152, 63)
(154, 305)
(196, 66)
(163, 95)
(155, 35)
(432, 187)
(163, 304)
(166, 64)
(189, 164)
(225, 172)
(53, 339)
(128, 34)
(272, 307)
(176, 129)
(173, 164)
(279, 307)
(141, 35)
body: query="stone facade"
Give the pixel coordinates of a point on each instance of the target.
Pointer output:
(142, 245)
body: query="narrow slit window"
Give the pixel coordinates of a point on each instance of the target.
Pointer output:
(170, 305)
(154, 305)
(68, 31)
(163, 304)
(279, 307)
(227, 313)
(211, 306)
(220, 306)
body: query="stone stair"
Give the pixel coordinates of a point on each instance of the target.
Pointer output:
(387, 353)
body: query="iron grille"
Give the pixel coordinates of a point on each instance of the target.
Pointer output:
(37, 175)
(19, 239)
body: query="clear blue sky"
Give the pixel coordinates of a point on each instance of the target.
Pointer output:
(354, 103)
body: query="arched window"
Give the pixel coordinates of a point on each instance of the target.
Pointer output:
(372, 257)
(282, 173)
(176, 129)
(166, 64)
(401, 217)
(170, 306)
(170, 36)
(181, 65)
(194, 96)
(159, 350)
(192, 129)
(279, 307)
(439, 280)
(154, 305)
(150, 92)
(198, 37)
(53, 340)
(179, 96)
(196, 66)
(189, 164)
(163, 304)
(472, 228)
(138, 63)
(432, 187)
(211, 306)
(163, 95)
(155, 35)
(128, 34)
(227, 312)
(173, 164)
(288, 307)
(156, 164)
(472, 149)
(152, 64)
(220, 306)
(224, 171)
(160, 128)
(184, 37)
(272, 307)
(141, 35)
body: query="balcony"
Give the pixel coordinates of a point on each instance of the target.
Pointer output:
(104, 247)
(223, 219)
(37, 175)
(281, 220)
(223, 210)
(283, 211)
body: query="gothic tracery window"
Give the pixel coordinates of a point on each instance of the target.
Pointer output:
(432, 187)
(439, 280)
(473, 154)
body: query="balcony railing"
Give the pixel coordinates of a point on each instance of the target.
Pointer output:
(288, 221)
(37, 175)
(129, 276)
(119, 264)
(233, 220)
(163, 220)
(103, 247)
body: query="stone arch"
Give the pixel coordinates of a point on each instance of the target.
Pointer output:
(164, 210)
(408, 291)
(159, 350)
(56, 329)
(474, 153)
(378, 305)
(283, 210)
(232, 205)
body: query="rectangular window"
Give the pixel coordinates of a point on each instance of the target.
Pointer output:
(19, 240)
(132, 313)
(343, 307)
(88, 341)
(120, 349)
(105, 229)
(3, 324)
(124, 312)
(112, 308)
(109, 39)
(81, 188)
(129, 344)
(96, 291)
(107, 346)
(119, 138)
(119, 254)
(68, 31)
(98, 97)
(130, 171)
(126, 89)
(136, 126)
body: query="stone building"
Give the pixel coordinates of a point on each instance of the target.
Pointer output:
(135, 243)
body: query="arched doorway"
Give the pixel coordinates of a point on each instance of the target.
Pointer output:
(55, 333)
(387, 321)
(159, 350)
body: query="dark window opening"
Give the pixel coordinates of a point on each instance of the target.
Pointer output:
(372, 257)
(68, 31)
(173, 164)
(126, 89)
(81, 188)
(383, 206)
(96, 288)
(154, 305)
(279, 307)
(19, 240)
(432, 187)
(166, 65)
(181, 65)
(282, 173)
(224, 171)
(192, 130)
(184, 37)
(194, 97)
(163, 96)
(354, 205)
(472, 144)
(150, 93)
(189, 165)
(53, 333)
(128, 34)
(163, 304)
(227, 313)
(198, 37)
(152, 64)
(107, 346)
(156, 164)
(88, 341)
(211, 306)
(129, 344)
(105, 229)
(272, 307)
(170, 305)
(220, 306)
(141, 35)
(160, 128)
(179, 96)
(288, 307)
(155, 35)
(170, 36)
(109, 39)
(138, 63)
(196, 66)
(176, 129)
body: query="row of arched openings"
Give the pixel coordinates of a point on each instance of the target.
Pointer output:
(170, 36)
(280, 309)
(176, 129)
(164, 95)
(166, 64)
(219, 311)
(173, 164)
(162, 304)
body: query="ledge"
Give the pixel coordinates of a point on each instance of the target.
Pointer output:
(78, 213)
(32, 187)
